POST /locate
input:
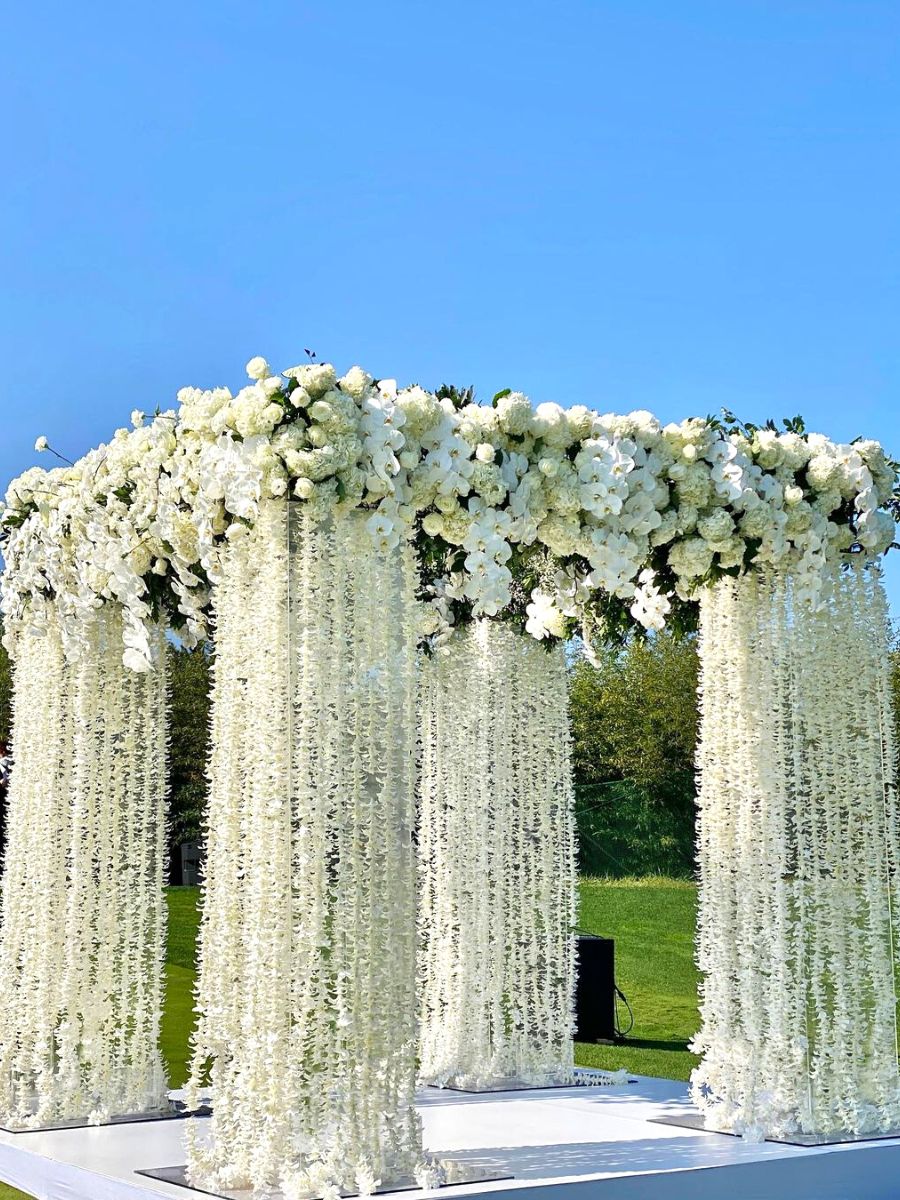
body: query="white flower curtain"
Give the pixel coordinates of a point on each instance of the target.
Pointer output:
(83, 923)
(309, 911)
(798, 846)
(497, 863)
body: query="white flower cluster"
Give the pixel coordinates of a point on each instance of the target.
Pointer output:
(625, 508)
(114, 526)
(334, 444)
(546, 514)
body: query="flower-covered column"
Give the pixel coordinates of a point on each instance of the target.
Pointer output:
(497, 863)
(83, 920)
(309, 909)
(798, 843)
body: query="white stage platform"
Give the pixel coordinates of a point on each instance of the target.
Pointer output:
(566, 1144)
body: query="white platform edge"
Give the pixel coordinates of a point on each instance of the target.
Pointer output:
(572, 1144)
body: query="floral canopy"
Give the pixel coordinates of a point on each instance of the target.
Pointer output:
(559, 519)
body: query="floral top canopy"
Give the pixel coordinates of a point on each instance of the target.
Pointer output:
(559, 520)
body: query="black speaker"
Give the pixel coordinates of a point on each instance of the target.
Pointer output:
(595, 992)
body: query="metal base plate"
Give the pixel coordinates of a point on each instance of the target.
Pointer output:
(176, 1113)
(457, 1171)
(839, 1138)
(580, 1078)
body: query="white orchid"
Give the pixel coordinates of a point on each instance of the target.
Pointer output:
(544, 618)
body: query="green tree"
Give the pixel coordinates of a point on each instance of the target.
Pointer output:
(189, 742)
(634, 727)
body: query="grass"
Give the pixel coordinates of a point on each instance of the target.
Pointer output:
(651, 919)
(178, 1017)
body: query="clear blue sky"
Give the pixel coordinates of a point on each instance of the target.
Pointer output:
(662, 204)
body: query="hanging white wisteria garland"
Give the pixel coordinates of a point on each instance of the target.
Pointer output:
(497, 863)
(569, 518)
(306, 991)
(798, 845)
(82, 940)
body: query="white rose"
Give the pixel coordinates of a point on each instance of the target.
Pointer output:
(433, 524)
(485, 452)
(258, 368)
(137, 418)
(41, 444)
(304, 489)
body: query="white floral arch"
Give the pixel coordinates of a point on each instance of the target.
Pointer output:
(420, 513)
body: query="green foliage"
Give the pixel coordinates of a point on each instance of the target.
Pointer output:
(458, 397)
(623, 830)
(189, 740)
(634, 728)
(895, 679)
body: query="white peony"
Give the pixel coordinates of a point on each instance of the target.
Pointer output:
(356, 382)
(258, 368)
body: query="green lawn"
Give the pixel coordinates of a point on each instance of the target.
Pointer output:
(178, 1017)
(652, 921)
